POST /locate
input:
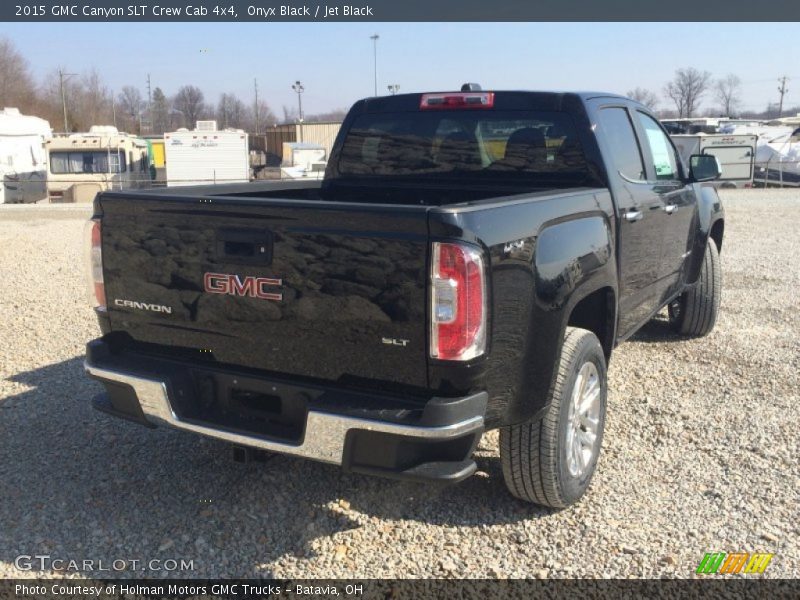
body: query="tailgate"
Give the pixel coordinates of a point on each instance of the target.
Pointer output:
(321, 290)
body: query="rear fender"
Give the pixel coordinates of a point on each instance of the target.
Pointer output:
(573, 259)
(545, 253)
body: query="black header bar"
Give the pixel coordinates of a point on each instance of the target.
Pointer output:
(398, 10)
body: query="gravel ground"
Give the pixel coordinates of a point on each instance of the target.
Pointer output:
(700, 453)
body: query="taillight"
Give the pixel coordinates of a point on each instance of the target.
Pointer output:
(456, 100)
(458, 302)
(95, 264)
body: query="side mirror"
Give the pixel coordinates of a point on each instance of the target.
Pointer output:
(704, 167)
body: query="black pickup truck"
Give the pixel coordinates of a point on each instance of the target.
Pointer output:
(468, 263)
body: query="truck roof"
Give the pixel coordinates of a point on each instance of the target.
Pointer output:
(504, 99)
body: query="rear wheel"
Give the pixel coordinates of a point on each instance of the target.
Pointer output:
(694, 312)
(551, 461)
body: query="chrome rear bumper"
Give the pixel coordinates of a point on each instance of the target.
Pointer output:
(325, 433)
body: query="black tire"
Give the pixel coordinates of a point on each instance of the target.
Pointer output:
(536, 454)
(694, 313)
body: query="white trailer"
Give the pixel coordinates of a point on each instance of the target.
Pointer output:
(206, 156)
(735, 153)
(778, 160)
(23, 159)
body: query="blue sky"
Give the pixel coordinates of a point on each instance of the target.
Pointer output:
(334, 60)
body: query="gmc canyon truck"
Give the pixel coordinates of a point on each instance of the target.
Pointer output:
(469, 262)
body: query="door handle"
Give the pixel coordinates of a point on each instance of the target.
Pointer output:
(633, 215)
(670, 208)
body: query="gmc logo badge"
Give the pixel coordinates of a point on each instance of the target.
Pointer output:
(233, 285)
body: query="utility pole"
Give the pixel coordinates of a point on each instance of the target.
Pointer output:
(299, 89)
(255, 107)
(782, 91)
(393, 88)
(61, 77)
(375, 37)
(114, 108)
(149, 104)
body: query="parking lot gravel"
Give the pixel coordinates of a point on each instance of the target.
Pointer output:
(701, 453)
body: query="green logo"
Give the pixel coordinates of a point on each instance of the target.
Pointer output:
(735, 562)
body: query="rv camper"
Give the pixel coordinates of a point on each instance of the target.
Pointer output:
(23, 160)
(735, 154)
(83, 164)
(206, 156)
(777, 155)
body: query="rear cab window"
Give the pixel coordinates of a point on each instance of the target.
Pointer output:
(513, 150)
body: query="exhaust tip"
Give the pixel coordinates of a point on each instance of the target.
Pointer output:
(245, 455)
(241, 454)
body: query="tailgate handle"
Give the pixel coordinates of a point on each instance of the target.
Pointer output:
(245, 246)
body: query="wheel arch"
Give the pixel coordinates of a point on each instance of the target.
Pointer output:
(717, 232)
(710, 223)
(596, 311)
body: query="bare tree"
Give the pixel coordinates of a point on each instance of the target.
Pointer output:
(16, 84)
(266, 118)
(231, 112)
(289, 114)
(686, 89)
(159, 111)
(49, 100)
(88, 100)
(727, 91)
(189, 102)
(94, 100)
(644, 96)
(130, 101)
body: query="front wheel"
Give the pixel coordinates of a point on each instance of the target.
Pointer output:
(694, 312)
(551, 461)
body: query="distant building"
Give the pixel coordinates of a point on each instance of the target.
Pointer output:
(271, 142)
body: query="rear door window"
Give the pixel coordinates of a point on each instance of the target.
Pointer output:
(625, 152)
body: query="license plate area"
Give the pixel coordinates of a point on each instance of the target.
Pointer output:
(247, 405)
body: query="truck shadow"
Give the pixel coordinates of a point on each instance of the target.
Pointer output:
(656, 330)
(78, 484)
